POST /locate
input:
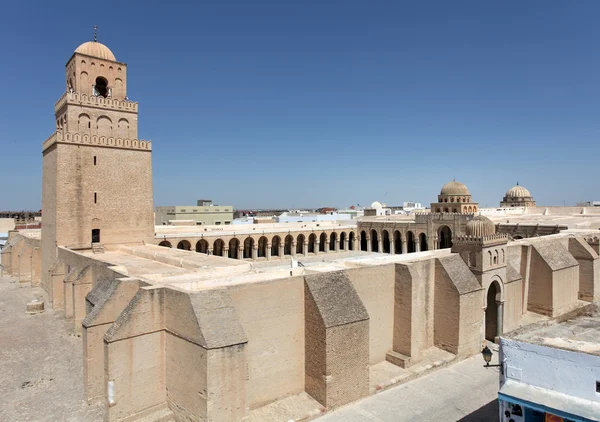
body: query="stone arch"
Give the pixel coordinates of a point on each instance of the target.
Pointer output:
(374, 241)
(184, 245)
(312, 240)
(263, 243)
(202, 246)
(490, 256)
(410, 240)
(446, 209)
(422, 242)
(342, 241)
(332, 241)
(385, 241)
(503, 256)
(322, 242)
(165, 243)
(119, 88)
(218, 247)
(234, 245)
(351, 241)
(397, 242)
(363, 241)
(300, 243)
(438, 209)
(248, 245)
(287, 246)
(123, 128)
(84, 125)
(495, 257)
(275, 242)
(104, 126)
(445, 237)
(454, 210)
(493, 310)
(84, 81)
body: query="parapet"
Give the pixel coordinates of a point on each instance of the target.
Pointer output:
(93, 140)
(481, 241)
(95, 101)
(423, 217)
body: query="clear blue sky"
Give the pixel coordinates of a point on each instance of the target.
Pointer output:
(324, 103)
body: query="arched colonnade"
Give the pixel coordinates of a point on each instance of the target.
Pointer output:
(267, 246)
(395, 241)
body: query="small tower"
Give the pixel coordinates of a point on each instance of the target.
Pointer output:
(485, 252)
(97, 174)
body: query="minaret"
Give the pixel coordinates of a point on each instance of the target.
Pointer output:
(97, 176)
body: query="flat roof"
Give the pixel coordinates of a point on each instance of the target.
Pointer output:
(579, 334)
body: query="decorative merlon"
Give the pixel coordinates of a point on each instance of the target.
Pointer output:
(93, 140)
(95, 101)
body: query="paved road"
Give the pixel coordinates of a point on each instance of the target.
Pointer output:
(465, 392)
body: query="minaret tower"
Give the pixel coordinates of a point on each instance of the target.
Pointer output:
(97, 174)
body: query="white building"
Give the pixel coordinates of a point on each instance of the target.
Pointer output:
(552, 373)
(310, 217)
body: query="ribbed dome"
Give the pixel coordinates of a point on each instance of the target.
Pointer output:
(376, 205)
(454, 188)
(518, 192)
(480, 226)
(96, 49)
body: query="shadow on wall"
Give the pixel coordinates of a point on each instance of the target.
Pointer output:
(488, 412)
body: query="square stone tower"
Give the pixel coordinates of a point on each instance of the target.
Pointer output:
(97, 176)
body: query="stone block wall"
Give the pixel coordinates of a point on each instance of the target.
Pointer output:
(337, 340)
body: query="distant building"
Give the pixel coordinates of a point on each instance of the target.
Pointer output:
(203, 213)
(310, 217)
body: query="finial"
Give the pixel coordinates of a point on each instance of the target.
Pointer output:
(517, 183)
(95, 32)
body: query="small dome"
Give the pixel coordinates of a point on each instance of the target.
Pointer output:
(454, 188)
(480, 226)
(96, 49)
(518, 192)
(377, 205)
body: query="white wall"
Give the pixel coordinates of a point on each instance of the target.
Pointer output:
(571, 373)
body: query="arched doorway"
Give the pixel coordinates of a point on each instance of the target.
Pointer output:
(185, 245)
(445, 237)
(248, 245)
(202, 246)
(332, 240)
(351, 245)
(218, 247)
(363, 241)
(312, 239)
(300, 244)
(342, 241)
(322, 242)
(165, 243)
(262, 247)
(493, 312)
(275, 245)
(374, 241)
(423, 242)
(385, 237)
(287, 247)
(234, 245)
(410, 240)
(397, 242)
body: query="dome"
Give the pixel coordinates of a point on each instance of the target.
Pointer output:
(454, 188)
(96, 49)
(518, 192)
(377, 205)
(480, 226)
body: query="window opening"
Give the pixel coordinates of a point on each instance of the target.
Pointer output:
(101, 87)
(95, 197)
(94, 160)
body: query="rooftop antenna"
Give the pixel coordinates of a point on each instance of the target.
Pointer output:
(95, 33)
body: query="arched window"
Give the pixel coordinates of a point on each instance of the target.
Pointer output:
(101, 87)
(490, 256)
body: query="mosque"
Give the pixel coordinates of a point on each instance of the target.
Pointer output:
(242, 328)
